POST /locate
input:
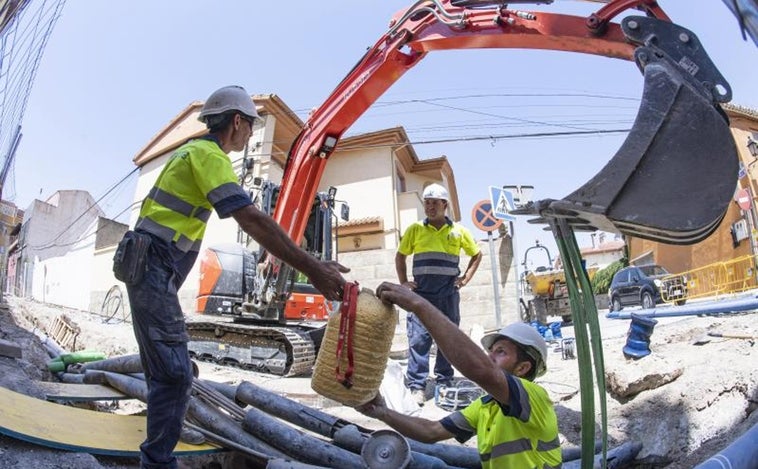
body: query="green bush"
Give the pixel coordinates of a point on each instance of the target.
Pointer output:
(601, 282)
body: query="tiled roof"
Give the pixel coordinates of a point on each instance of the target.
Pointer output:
(360, 221)
(746, 111)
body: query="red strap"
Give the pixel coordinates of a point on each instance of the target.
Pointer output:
(347, 327)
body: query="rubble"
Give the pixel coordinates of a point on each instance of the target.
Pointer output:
(630, 377)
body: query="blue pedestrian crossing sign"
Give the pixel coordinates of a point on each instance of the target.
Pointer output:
(502, 203)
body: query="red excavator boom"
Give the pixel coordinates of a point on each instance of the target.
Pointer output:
(432, 25)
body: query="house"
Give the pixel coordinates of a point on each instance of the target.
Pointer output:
(52, 258)
(10, 226)
(603, 251)
(377, 174)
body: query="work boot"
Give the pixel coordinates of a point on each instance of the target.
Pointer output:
(419, 396)
(191, 437)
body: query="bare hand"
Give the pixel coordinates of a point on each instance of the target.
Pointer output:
(399, 295)
(460, 282)
(373, 408)
(327, 279)
(410, 285)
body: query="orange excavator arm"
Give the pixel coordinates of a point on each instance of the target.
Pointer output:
(429, 26)
(678, 153)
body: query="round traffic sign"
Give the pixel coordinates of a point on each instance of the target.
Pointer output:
(483, 217)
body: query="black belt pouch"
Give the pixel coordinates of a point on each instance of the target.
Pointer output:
(130, 260)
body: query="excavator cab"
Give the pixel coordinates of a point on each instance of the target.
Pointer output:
(281, 336)
(231, 282)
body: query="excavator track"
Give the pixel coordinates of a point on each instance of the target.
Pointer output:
(276, 350)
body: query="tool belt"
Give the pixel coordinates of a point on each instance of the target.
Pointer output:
(130, 260)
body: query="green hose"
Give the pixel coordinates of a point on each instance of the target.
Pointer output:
(588, 342)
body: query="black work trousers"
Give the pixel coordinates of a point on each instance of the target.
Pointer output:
(162, 337)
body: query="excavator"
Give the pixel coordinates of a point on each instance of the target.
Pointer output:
(678, 153)
(285, 341)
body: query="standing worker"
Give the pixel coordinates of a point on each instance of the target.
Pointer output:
(163, 248)
(435, 243)
(515, 424)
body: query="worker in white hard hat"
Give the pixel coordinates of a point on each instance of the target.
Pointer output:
(515, 423)
(155, 258)
(435, 243)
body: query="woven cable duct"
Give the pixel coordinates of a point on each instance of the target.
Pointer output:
(372, 339)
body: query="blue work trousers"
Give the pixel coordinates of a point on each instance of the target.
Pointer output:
(162, 337)
(420, 343)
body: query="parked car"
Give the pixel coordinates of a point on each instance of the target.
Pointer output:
(642, 285)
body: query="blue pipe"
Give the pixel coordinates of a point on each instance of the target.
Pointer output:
(710, 307)
(741, 454)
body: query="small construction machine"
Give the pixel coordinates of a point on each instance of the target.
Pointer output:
(543, 289)
(679, 153)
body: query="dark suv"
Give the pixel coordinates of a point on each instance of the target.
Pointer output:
(640, 285)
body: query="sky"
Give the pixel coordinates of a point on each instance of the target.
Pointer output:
(115, 73)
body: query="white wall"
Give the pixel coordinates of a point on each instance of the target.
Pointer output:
(602, 259)
(66, 280)
(364, 179)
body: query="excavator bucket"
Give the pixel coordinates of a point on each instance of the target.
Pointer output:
(672, 179)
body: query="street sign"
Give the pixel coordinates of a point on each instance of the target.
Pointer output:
(483, 218)
(743, 199)
(502, 203)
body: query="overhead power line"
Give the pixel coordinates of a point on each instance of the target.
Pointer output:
(25, 28)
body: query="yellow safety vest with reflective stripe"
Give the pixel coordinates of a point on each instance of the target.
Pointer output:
(178, 207)
(436, 255)
(436, 251)
(529, 440)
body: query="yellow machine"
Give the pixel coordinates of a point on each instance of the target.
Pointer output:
(543, 290)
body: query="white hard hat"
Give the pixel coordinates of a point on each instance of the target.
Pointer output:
(436, 191)
(228, 98)
(524, 335)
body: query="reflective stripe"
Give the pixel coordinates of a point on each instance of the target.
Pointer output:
(520, 446)
(178, 205)
(509, 447)
(171, 201)
(526, 407)
(436, 256)
(223, 191)
(548, 445)
(165, 233)
(185, 244)
(436, 270)
(435, 263)
(202, 214)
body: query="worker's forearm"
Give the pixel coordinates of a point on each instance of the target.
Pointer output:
(401, 268)
(473, 265)
(412, 427)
